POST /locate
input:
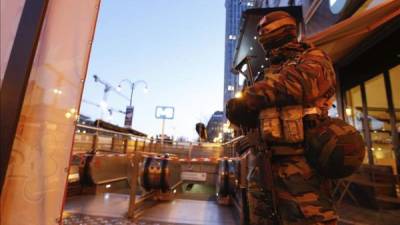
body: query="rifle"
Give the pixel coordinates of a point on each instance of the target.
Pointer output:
(253, 140)
(264, 162)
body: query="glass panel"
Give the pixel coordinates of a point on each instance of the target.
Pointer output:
(395, 83)
(353, 111)
(353, 108)
(379, 122)
(34, 188)
(394, 75)
(9, 19)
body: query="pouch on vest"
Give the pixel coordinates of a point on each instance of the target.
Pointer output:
(292, 122)
(270, 124)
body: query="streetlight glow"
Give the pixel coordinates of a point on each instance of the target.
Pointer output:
(57, 91)
(68, 115)
(238, 94)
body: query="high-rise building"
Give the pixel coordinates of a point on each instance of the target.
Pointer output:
(234, 9)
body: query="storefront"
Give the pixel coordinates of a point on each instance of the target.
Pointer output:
(366, 55)
(372, 97)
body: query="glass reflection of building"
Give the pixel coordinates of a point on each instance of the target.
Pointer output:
(234, 9)
(373, 107)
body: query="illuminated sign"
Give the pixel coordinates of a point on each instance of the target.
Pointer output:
(193, 176)
(165, 112)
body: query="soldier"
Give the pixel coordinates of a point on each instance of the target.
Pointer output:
(298, 85)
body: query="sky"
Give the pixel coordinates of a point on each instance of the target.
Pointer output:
(176, 46)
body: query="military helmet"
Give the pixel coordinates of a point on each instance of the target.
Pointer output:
(334, 148)
(276, 29)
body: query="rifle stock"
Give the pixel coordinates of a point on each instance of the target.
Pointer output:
(253, 142)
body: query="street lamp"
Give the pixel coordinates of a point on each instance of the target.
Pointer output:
(129, 109)
(133, 84)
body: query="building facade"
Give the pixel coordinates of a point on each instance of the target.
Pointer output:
(215, 126)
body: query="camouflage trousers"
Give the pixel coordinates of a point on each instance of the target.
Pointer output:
(302, 196)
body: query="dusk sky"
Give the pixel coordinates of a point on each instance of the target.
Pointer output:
(176, 46)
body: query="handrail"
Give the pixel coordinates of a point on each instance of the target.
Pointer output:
(234, 140)
(112, 180)
(143, 198)
(108, 131)
(183, 144)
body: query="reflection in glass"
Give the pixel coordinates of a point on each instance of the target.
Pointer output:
(353, 108)
(379, 122)
(353, 111)
(394, 74)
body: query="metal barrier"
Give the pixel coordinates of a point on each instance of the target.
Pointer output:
(91, 139)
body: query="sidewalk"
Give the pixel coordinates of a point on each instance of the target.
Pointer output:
(111, 209)
(350, 214)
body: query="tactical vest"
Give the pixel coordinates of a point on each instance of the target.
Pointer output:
(282, 127)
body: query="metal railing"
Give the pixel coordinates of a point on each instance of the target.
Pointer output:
(95, 139)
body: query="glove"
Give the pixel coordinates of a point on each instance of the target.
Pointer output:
(254, 101)
(238, 113)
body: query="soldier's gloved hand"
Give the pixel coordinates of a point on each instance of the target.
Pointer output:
(254, 101)
(238, 113)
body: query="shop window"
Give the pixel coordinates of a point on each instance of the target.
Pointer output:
(353, 111)
(353, 108)
(379, 122)
(394, 74)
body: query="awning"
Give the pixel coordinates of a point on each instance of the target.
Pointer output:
(112, 127)
(339, 39)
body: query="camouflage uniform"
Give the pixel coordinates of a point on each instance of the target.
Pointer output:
(300, 75)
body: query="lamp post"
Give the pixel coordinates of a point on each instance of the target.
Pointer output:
(129, 109)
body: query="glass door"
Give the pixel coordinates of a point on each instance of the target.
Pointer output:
(373, 108)
(379, 122)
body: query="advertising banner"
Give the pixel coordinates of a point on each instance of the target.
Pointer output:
(128, 116)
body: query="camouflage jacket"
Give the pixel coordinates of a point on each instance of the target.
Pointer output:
(304, 75)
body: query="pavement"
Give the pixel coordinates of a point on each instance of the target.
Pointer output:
(111, 208)
(355, 215)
